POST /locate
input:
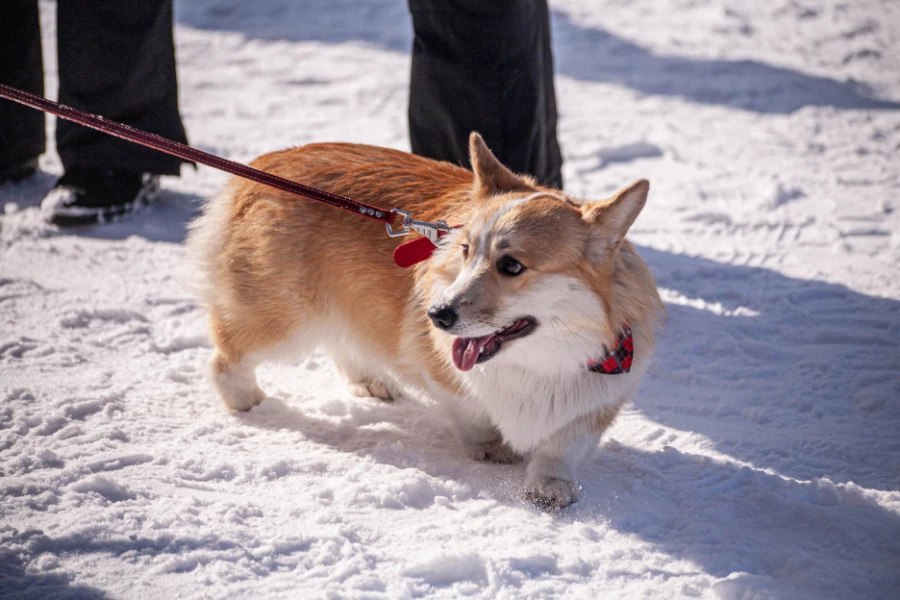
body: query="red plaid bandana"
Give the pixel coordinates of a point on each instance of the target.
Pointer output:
(618, 360)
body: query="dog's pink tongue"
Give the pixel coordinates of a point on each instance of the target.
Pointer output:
(466, 351)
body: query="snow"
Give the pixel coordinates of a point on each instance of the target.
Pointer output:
(759, 460)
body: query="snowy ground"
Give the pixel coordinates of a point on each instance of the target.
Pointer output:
(760, 460)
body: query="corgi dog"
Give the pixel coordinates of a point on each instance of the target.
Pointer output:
(504, 326)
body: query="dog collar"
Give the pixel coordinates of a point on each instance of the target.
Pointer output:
(618, 360)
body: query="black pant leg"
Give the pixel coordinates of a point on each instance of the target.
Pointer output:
(117, 59)
(485, 66)
(21, 66)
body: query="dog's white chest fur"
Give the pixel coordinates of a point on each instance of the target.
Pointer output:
(527, 406)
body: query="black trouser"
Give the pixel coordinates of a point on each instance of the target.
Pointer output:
(116, 59)
(486, 66)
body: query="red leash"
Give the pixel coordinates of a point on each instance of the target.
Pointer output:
(405, 255)
(168, 146)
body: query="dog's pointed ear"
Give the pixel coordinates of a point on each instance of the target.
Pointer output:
(611, 219)
(491, 177)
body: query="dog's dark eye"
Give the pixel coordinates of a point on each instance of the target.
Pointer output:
(465, 249)
(510, 266)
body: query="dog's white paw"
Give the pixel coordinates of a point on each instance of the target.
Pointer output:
(494, 451)
(236, 385)
(372, 389)
(243, 400)
(549, 493)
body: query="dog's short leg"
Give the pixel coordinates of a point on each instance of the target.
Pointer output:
(236, 382)
(494, 451)
(479, 437)
(550, 477)
(238, 335)
(361, 383)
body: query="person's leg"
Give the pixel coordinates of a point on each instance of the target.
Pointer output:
(487, 67)
(118, 60)
(21, 128)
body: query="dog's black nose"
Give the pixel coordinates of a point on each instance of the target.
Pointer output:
(443, 316)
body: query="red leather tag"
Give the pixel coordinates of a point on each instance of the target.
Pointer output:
(409, 253)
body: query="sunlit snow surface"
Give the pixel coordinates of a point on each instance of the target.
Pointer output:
(760, 459)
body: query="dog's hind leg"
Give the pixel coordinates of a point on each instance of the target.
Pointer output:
(233, 371)
(236, 382)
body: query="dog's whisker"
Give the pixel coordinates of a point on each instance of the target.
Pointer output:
(555, 334)
(578, 336)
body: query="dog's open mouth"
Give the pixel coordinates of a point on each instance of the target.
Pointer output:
(467, 352)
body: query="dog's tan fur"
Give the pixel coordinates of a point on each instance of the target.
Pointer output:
(281, 274)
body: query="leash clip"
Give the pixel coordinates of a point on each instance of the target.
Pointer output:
(433, 231)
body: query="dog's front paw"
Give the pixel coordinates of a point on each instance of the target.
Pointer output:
(549, 493)
(494, 451)
(372, 389)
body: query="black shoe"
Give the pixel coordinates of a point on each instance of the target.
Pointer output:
(20, 171)
(92, 195)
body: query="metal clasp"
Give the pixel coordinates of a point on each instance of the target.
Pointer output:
(433, 231)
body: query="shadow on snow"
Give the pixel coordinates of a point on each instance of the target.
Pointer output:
(583, 53)
(18, 584)
(803, 384)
